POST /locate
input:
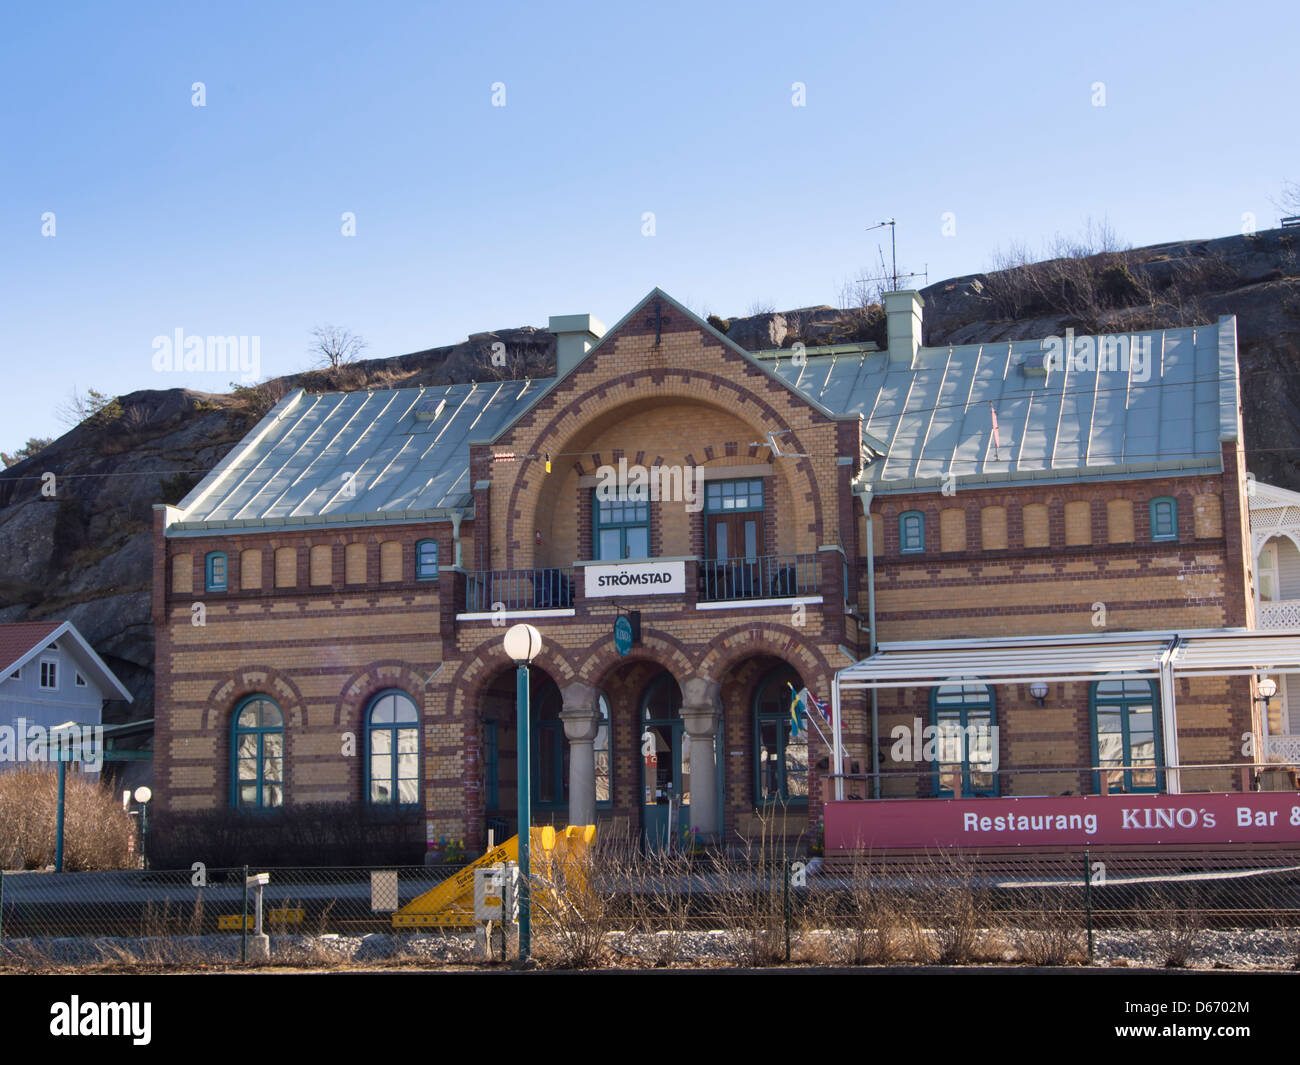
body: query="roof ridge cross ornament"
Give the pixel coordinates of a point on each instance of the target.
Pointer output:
(657, 321)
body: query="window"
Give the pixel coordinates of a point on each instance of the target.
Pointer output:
(257, 755)
(733, 495)
(1164, 519)
(49, 675)
(621, 528)
(964, 717)
(17, 674)
(780, 760)
(1126, 736)
(215, 568)
(1266, 578)
(911, 532)
(426, 560)
(393, 743)
(80, 681)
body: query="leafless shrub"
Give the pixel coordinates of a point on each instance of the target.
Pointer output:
(333, 346)
(573, 911)
(97, 832)
(880, 924)
(1175, 929)
(1057, 940)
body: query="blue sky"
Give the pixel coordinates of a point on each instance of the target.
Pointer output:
(226, 219)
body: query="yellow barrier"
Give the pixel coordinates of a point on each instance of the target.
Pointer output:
(286, 915)
(451, 903)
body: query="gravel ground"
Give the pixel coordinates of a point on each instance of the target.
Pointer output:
(1218, 948)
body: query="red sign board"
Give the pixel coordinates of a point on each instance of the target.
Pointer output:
(970, 824)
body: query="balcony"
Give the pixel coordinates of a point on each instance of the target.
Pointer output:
(762, 577)
(1279, 614)
(519, 589)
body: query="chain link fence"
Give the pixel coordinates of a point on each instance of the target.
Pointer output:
(619, 907)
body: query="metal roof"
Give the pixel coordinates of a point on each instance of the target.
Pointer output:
(354, 458)
(403, 455)
(935, 417)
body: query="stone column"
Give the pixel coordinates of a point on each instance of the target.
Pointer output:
(581, 718)
(701, 715)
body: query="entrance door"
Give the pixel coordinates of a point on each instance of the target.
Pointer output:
(665, 764)
(735, 542)
(665, 782)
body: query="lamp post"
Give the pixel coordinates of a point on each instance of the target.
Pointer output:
(523, 643)
(142, 795)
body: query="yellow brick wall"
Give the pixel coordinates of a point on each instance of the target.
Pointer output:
(993, 528)
(250, 569)
(952, 529)
(1036, 530)
(1078, 523)
(354, 563)
(286, 567)
(390, 561)
(182, 574)
(1207, 512)
(1119, 521)
(322, 564)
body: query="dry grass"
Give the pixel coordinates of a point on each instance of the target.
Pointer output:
(1175, 929)
(97, 832)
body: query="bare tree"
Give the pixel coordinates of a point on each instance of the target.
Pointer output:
(334, 346)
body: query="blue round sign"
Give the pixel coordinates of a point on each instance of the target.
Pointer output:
(622, 634)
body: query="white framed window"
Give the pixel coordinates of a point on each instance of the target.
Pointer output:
(80, 681)
(49, 674)
(1266, 576)
(17, 674)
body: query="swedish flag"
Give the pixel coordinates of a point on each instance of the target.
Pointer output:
(797, 710)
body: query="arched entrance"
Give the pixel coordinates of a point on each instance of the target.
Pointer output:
(665, 763)
(549, 764)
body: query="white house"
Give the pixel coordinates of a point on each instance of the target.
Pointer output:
(49, 676)
(1275, 545)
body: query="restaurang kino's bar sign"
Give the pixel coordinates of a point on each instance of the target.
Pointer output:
(636, 578)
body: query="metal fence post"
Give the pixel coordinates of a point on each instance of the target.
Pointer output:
(1087, 897)
(786, 892)
(243, 924)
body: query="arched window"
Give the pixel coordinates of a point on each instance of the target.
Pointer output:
(215, 571)
(911, 532)
(966, 722)
(780, 759)
(1164, 519)
(257, 755)
(1126, 735)
(393, 740)
(426, 560)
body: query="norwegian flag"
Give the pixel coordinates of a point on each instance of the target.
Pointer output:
(822, 708)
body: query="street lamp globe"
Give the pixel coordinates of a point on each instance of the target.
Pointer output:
(1267, 688)
(523, 643)
(143, 794)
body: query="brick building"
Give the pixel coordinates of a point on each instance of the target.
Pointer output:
(330, 601)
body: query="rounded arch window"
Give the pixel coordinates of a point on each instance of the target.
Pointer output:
(257, 754)
(393, 743)
(662, 699)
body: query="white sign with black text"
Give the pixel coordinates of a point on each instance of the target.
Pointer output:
(636, 578)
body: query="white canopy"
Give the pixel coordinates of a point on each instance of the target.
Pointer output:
(1159, 655)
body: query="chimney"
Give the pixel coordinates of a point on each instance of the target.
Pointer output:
(575, 335)
(903, 317)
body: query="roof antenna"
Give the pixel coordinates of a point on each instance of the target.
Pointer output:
(892, 275)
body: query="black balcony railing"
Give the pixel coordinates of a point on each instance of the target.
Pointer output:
(761, 577)
(519, 589)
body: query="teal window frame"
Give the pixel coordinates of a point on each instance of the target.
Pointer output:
(1170, 523)
(966, 709)
(718, 494)
(259, 733)
(776, 680)
(426, 569)
(917, 546)
(210, 581)
(1122, 700)
(391, 730)
(623, 524)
